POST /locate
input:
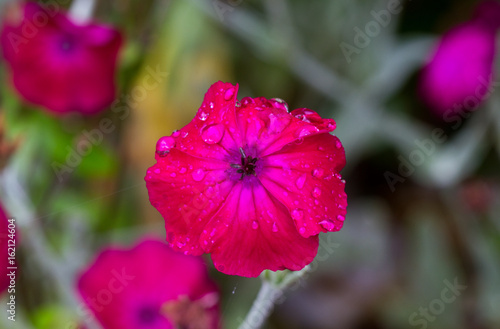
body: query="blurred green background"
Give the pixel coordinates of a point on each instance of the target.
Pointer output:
(399, 248)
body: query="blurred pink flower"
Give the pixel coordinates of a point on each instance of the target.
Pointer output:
(150, 287)
(459, 74)
(59, 64)
(250, 183)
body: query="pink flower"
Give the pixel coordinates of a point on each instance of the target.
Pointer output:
(459, 73)
(150, 287)
(4, 238)
(250, 183)
(59, 64)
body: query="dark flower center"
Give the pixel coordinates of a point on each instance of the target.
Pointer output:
(67, 44)
(247, 166)
(148, 315)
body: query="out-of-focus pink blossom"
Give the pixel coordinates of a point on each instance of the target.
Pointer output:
(60, 64)
(458, 75)
(150, 287)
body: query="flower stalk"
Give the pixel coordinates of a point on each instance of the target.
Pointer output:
(273, 286)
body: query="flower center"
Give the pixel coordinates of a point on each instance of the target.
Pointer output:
(67, 44)
(148, 315)
(247, 166)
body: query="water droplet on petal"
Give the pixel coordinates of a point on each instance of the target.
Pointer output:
(338, 144)
(301, 181)
(316, 192)
(211, 105)
(255, 225)
(297, 214)
(279, 103)
(183, 170)
(198, 174)
(341, 218)
(306, 131)
(275, 227)
(327, 225)
(302, 230)
(318, 172)
(212, 134)
(229, 94)
(157, 171)
(172, 175)
(331, 126)
(203, 115)
(247, 100)
(276, 125)
(164, 145)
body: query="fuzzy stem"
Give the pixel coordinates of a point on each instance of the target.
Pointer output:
(262, 306)
(273, 287)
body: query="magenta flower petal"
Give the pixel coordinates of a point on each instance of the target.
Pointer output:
(187, 191)
(252, 232)
(304, 177)
(139, 288)
(60, 65)
(250, 183)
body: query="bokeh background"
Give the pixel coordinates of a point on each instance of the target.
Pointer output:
(400, 247)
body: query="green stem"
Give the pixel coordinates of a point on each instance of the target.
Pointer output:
(262, 306)
(273, 286)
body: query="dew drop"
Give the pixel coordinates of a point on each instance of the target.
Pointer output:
(316, 192)
(275, 227)
(338, 144)
(327, 225)
(211, 105)
(279, 103)
(331, 126)
(212, 134)
(255, 225)
(306, 131)
(302, 230)
(276, 125)
(247, 100)
(164, 145)
(297, 214)
(172, 174)
(198, 174)
(176, 133)
(229, 94)
(183, 170)
(300, 181)
(157, 171)
(341, 218)
(203, 115)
